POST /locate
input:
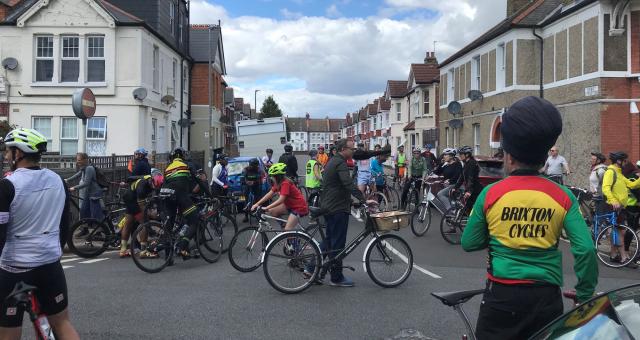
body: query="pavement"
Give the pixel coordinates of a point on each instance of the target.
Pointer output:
(110, 298)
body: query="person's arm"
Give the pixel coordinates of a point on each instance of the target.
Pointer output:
(264, 198)
(214, 175)
(565, 164)
(473, 181)
(76, 175)
(583, 250)
(460, 180)
(635, 184)
(345, 180)
(89, 177)
(544, 168)
(476, 234)
(279, 201)
(294, 164)
(360, 155)
(316, 172)
(7, 192)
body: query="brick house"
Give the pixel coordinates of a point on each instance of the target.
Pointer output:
(421, 103)
(584, 56)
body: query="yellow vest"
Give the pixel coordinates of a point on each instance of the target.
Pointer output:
(311, 181)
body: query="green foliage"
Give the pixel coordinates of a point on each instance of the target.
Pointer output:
(270, 108)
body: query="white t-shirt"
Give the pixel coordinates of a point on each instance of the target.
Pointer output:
(555, 165)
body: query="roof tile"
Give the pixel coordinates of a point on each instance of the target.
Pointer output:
(397, 88)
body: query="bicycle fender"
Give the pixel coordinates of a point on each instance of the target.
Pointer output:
(364, 255)
(292, 232)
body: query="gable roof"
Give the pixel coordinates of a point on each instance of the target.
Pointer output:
(425, 73)
(396, 88)
(410, 126)
(537, 13)
(384, 104)
(362, 114)
(372, 109)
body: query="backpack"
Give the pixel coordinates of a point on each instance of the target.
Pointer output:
(101, 179)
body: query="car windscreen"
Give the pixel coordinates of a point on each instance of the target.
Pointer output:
(236, 168)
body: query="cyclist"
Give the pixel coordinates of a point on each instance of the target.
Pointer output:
(291, 161)
(615, 188)
(34, 215)
(179, 179)
(141, 165)
(134, 199)
(267, 160)
(519, 220)
(451, 170)
(470, 176)
(252, 182)
(431, 159)
(323, 158)
(377, 171)
(400, 162)
(598, 167)
(417, 171)
(290, 200)
(313, 171)
(219, 180)
(364, 171)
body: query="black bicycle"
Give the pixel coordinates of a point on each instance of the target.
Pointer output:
(293, 260)
(90, 237)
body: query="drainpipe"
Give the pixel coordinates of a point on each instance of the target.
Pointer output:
(541, 62)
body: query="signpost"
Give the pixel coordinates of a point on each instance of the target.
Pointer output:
(83, 103)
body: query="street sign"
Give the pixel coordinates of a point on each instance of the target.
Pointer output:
(83, 103)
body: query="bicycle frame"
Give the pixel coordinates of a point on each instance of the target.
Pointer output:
(26, 301)
(428, 197)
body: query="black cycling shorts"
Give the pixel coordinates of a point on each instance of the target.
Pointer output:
(131, 203)
(51, 292)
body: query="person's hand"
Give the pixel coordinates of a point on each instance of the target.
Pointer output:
(467, 195)
(254, 207)
(226, 186)
(616, 206)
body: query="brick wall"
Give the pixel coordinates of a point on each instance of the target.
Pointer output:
(616, 129)
(200, 85)
(4, 109)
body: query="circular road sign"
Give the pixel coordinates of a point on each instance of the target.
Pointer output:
(84, 103)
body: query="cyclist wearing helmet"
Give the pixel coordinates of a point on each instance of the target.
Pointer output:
(251, 182)
(290, 160)
(290, 200)
(323, 158)
(519, 220)
(429, 157)
(470, 176)
(417, 171)
(615, 188)
(141, 165)
(34, 215)
(313, 171)
(451, 170)
(219, 183)
(134, 199)
(268, 159)
(179, 179)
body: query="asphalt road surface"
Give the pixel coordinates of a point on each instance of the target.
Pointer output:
(110, 298)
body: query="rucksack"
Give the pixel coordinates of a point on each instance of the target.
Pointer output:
(101, 179)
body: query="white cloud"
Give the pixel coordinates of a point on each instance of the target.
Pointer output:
(333, 12)
(290, 15)
(345, 62)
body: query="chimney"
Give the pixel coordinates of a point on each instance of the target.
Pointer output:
(431, 59)
(513, 6)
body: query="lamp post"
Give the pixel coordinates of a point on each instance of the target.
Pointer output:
(255, 101)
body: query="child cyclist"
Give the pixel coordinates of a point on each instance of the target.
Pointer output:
(290, 200)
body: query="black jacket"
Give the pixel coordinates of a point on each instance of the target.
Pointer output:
(141, 167)
(337, 187)
(292, 164)
(450, 172)
(470, 174)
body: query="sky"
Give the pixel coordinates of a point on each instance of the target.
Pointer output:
(331, 57)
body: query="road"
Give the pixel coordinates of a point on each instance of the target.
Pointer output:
(110, 298)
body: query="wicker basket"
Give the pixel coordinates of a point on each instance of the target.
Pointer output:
(391, 220)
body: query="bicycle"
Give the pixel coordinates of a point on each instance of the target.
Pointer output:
(413, 196)
(391, 196)
(454, 220)
(421, 220)
(24, 299)
(371, 194)
(155, 242)
(586, 204)
(297, 256)
(391, 192)
(90, 237)
(607, 235)
(244, 254)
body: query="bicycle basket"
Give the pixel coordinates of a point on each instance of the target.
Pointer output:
(391, 220)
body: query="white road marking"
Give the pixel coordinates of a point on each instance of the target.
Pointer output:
(65, 267)
(406, 260)
(111, 251)
(70, 260)
(93, 261)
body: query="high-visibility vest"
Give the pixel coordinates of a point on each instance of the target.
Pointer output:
(402, 160)
(311, 180)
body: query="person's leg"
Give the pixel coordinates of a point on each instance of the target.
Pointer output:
(500, 315)
(85, 209)
(279, 211)
(62, 326)
(53, 298)
(548, 307)
(95, 205)
(405, 191)
(443, 196)
(292, 222)
(339, 239)
(10, 318)
(11, 333)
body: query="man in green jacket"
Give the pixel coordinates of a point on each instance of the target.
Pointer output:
(519, 220)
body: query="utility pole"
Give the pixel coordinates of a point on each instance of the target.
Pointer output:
(210, 93)
(255, 101)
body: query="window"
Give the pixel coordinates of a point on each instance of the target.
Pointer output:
(154, 133)
(413, 141)
(455, 137)
(174, 134)
(451, 80)
(44, 58)
(416, 103)
(476, 139)
(156, 68)
(70, 60)
(95, 59)
(69, 136)
(398, 111)
(42, 125)
(446, 134)
(175, 76)
(180, 33)
(425, 95)
(185, 79)
(475, 69)
(97, 128)
(172, 17)
(500, 67)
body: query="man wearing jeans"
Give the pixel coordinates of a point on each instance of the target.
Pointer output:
(90, 191)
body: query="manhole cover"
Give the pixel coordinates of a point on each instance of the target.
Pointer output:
(409, 334)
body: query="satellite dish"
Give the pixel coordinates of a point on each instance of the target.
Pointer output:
(140, 93)
(455, 123)
(184, 122)
(454, 108)
(475, 95)
(10, 63)
(168, 99)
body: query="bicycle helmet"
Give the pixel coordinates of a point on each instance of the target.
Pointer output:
(155, 171)
(417, 150)
(449, 151)
(288, 148)
(178, 153)
(618, 156)
(465, 150)
(254, 162)
(428, 146)
(278, 169)
(27, 140)
(141, 151)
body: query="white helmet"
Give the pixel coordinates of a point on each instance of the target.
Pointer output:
(449, 151)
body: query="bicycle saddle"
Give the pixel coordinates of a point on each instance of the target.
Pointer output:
(316, 212)
(19, 291)
(456, 298)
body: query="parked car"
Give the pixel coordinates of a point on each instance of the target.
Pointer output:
(491, 169)
(234, 174)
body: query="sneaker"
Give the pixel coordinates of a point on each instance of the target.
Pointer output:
(145, 254)
(124, 253)
(345, 282)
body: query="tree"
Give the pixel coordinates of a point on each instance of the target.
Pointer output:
(270, 108)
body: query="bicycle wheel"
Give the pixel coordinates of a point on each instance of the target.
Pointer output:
(393, 196)
(156, 247)
(450, 227)
(209, 237)
(228, 228)
(245, 249)
(88, 238)
(612, 239)
(421, 220)
(389, 261)
(383, 203)
(285, 259)
(413, 200)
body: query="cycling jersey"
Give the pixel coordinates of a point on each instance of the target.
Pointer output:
(32, 202)
(377, 171)
(176, 169)
(520, 219)
(137, 193)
